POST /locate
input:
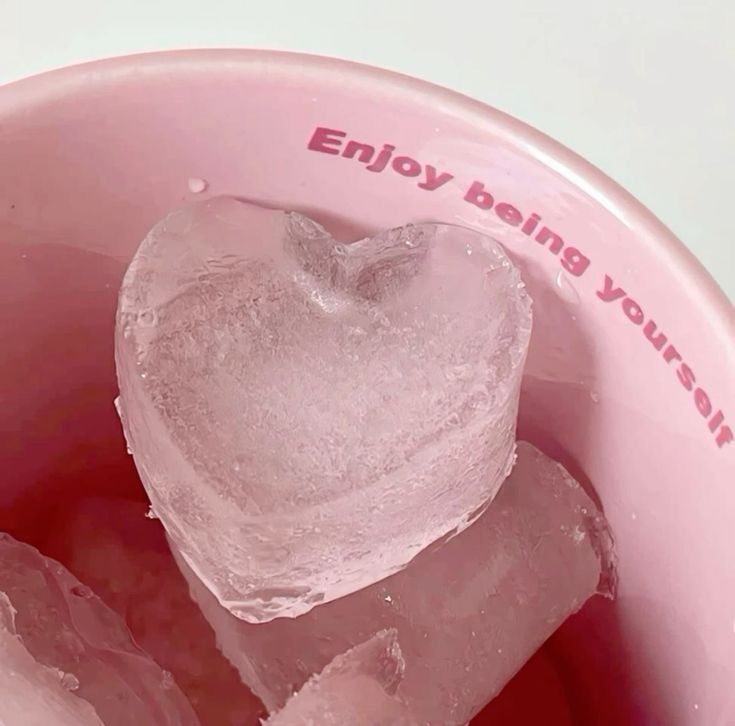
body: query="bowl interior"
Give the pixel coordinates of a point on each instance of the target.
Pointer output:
(629, 379)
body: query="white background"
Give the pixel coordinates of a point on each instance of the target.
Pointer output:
(642, 88)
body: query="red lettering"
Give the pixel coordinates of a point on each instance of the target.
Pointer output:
(686, 375)
(649, 331)
(724, 437)
(509, 214)
(574, 261)
(546, 235)
(477, 195)
(383, 158)
(701, 399)
(633, 310)
(365, 151)
(406, 166)
(609, 292)
(530, 224)
(323, 140)
(671, 353)
(717, 419)
(433, 179)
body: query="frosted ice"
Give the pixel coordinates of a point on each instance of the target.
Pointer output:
(469, 611)
(32, 694)
(306, 415)
(356, 688)
(111, 545)
(60, 624)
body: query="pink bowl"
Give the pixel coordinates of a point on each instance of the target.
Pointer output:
(630, 379)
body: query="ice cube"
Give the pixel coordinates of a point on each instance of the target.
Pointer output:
(112, 546)
(307, 416)
(32, 694)
(469, 611)
(65, 627)
(356, 688)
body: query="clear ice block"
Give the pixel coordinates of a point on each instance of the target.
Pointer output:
(469, 612)
(306, 415)
(112, 546)
(357, 689)
(32, 694)
(66, 628)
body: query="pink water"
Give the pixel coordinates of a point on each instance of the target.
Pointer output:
(69, 415)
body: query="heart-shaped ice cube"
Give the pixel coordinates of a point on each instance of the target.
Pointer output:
(307, 415)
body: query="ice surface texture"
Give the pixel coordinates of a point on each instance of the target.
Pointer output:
(61, 625)
(113, 547)
(469, 612)
(31, 694)
(307, 416)
(356, 689)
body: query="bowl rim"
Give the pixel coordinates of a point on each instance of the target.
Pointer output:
(22, 95)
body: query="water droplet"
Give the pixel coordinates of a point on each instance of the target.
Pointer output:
(24, 256)
(304, 228)
(500, 651)
(128, 450)
(388, 599)
(410, 236)
(280, 554)
(167, 681)
(566, 290)
(461, 372)
(197, 185)
(147, 318)
(143, 375)
(82, 591)
(356, 332)
(468, 250)
(696, 707)
(578, 534)
(69, 681)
